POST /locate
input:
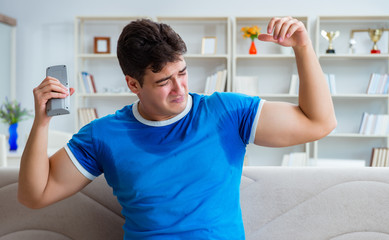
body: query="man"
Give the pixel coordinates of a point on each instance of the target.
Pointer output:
(174, 159)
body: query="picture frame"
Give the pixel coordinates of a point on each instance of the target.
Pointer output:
(102, 45)
(208, 45)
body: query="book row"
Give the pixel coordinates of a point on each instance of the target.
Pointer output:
(300, 159)
(378, 84)
(295, 159)
(86, 115)
(250, 84)
(216, 82)
(295, 83)
(380, 157)
(87, 83)
(374, 124)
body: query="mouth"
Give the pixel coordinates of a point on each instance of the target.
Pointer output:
(178, 99)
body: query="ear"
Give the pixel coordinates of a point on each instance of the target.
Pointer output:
(133, 84)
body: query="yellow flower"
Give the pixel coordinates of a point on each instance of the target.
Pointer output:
(251, 32)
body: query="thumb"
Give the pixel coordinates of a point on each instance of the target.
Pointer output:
(266, 38)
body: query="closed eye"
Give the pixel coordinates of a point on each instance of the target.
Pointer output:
(163, 83)
(183, 71)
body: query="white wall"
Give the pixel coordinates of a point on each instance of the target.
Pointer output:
(45, 28)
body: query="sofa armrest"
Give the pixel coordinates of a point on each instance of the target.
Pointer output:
(92, 213)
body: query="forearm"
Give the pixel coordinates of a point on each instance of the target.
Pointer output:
(44, 180)
(34, 166)
(314, 95)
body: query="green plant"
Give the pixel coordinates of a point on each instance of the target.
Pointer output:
(11, 112)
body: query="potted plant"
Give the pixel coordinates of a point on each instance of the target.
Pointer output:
(11, 113)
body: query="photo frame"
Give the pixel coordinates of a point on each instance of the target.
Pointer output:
(102, 45)
(208, 45)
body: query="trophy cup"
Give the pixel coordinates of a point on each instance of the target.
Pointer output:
(330, 36)
(375, 36)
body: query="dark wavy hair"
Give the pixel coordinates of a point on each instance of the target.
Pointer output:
(146, 44)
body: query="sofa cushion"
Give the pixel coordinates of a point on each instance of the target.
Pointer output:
(315, 203)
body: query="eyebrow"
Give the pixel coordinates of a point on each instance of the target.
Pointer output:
(168, 77)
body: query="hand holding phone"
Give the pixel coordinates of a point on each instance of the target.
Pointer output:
(58, 106)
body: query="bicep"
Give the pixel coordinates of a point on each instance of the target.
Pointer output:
(283, 124)
(64, 178)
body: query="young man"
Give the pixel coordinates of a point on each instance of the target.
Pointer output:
(174, 159)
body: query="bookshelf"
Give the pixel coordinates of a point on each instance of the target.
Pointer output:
(111, 87)
(353, 65)
(112, 93)
(271, 68)
(200, 66)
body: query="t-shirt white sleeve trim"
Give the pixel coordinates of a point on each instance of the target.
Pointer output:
(255, 123)
(78, 165)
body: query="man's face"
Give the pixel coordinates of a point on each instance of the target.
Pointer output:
(164, 94)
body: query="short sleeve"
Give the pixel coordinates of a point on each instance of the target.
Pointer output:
(244, 112)
(81, 150)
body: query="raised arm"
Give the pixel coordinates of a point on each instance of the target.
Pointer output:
(44, 180)
(284, 124)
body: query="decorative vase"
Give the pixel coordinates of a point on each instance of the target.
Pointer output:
(253, 49)
(13, 137)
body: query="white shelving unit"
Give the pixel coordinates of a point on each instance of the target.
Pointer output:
(200, 66)
(112, 93)
(272, 66)
(352, 71)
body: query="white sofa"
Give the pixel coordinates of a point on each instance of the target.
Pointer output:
(277, 203)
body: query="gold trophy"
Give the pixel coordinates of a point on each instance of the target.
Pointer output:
(330, 36)
(375, 36)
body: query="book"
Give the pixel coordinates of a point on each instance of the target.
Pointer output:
(84, 81)
(386, 84)
(87, 83)
(362, 128)
(216, 82)
(295, 83)
(337, 162)
(374, 124)
(295, 159)
(221, 83)
(332, 83)
(86, 115)
(81, 83)
(378, 84)
(380, 157)
(247, 85)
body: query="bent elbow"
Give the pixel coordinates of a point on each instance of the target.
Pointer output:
(29, 202)
(332, 125)
(328, 127)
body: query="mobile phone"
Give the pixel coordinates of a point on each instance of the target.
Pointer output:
(58, 106)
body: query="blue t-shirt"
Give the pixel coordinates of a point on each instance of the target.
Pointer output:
(175, 179)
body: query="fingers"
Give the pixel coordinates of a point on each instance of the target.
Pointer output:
(48, 89)
(51, 88)
(283, 28)
(53, 84)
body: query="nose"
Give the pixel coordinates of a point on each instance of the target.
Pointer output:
(178, 86)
